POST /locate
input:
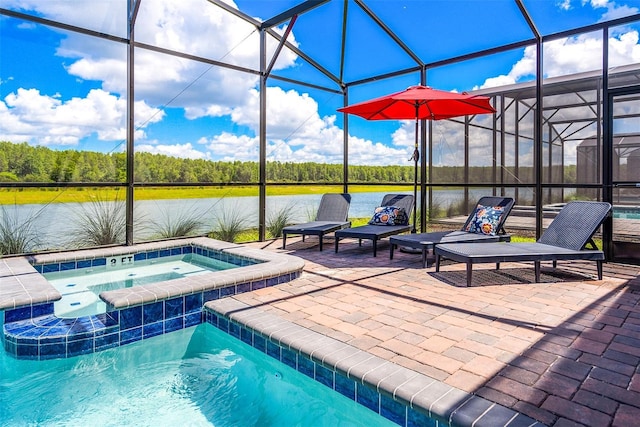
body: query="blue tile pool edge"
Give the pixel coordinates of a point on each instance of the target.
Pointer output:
(405, 397)
(140, 255)
(33, 332)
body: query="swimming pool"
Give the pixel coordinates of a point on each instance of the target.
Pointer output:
(626, 213)
(198, 376)
(33, 331)
(81, 287)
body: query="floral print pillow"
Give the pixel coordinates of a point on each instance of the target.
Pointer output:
(485, 220)
(389, 215)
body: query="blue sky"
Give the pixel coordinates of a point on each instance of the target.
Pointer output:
(67, 91)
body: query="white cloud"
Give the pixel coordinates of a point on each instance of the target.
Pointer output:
(613, 9)
(577, 54)
(366, 152)
(179, 150)
(564, 4)
(296, 133)
(624, 49)
(194, 27)
(230, 147)
(107, 16)
(28, 115)
(572, 55)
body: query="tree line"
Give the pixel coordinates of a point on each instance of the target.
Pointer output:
(25, 163)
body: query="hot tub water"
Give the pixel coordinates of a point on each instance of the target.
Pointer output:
(80, 288)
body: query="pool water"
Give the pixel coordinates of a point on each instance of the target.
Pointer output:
(626, 215)
(80, 288)
(198, 376)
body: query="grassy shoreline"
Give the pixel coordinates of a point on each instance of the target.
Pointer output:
(25, 196)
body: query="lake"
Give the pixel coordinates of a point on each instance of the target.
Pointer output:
(57, 221)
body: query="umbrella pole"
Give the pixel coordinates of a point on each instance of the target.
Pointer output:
(416, 156)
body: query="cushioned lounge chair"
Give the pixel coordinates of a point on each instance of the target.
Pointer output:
(566, 238)
(331, 216)
(485, 224)
(377, 232)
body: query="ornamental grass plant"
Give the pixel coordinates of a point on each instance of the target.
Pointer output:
(186, 222)
(279, 219)
(17, 235)
(99, 222)
(229, 225)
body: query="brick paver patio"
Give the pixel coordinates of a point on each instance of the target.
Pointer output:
(565, 352)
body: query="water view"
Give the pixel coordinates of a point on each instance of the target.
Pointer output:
(302, 207)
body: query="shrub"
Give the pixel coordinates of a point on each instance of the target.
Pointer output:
(184, 223)
(229, 225)
(17, 236)
(99, 222)
(435, 210)
(456, 208)
(276, 221)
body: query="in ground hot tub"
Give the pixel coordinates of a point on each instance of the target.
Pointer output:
(33, 330)
(81, 287)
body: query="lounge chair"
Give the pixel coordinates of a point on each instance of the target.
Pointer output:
(566, 238)
(377, 232)
(472, 230)
(331, 216)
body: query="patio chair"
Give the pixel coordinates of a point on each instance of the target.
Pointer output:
(566, 238)
(331, 216)
(486, 227)
(375, 232)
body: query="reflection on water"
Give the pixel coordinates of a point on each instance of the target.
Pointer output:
(55, 222)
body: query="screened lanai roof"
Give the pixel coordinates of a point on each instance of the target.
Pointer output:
(200, 59)
(428, 36)
(338, 35)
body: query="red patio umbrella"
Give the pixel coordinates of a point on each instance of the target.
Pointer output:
(419, 103)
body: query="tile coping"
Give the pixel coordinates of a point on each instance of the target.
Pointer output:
(438, 400)
(22, 285)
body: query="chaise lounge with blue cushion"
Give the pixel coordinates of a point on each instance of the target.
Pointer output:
(568, 237)
(485, 224)
(331, 216)
(391, 217)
